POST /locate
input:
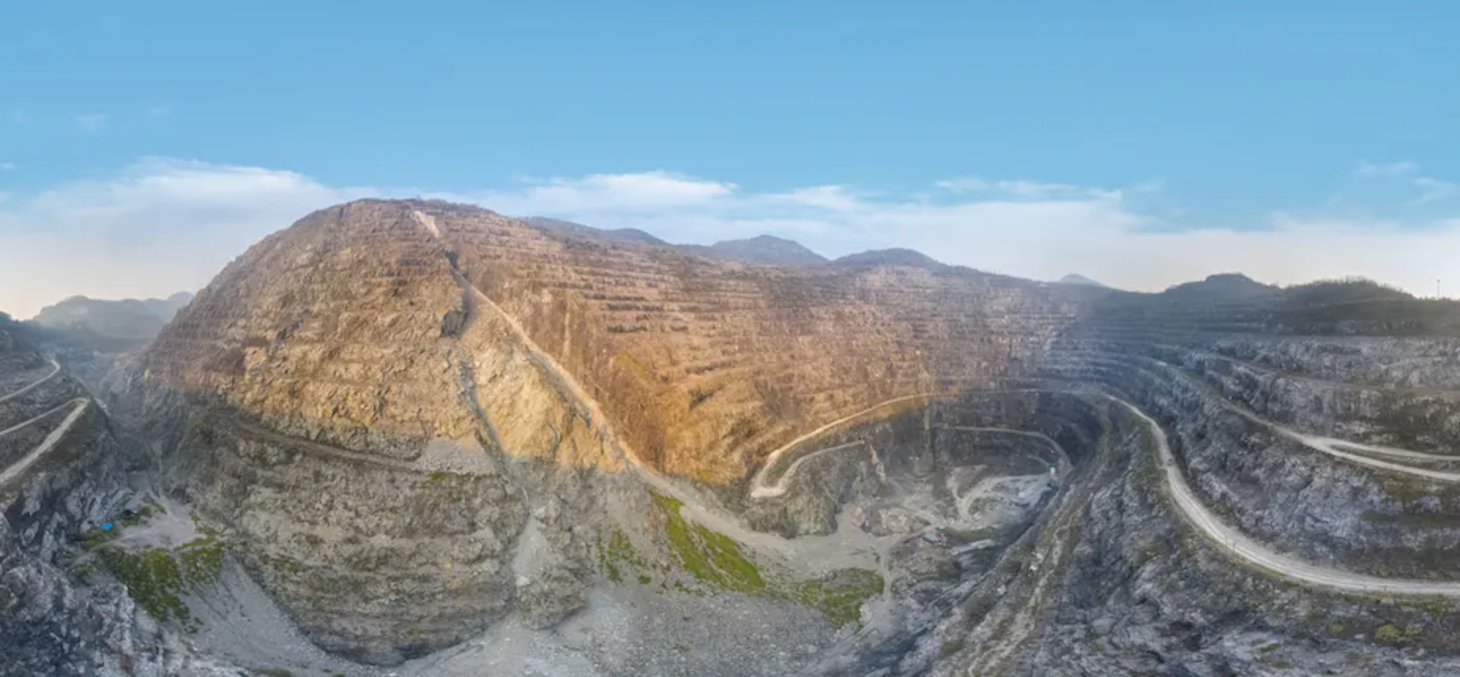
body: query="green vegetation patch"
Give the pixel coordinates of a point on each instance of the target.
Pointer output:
(709, 555)
(95, 538)
(1393, 635)
(839, 596)
(201, 558)
(153, 579)
(617, 553)
(1405, 491)
(157, 577)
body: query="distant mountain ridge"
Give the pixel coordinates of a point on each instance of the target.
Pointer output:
(110, 325)
(762, 250)
(561, 226)
(1076, 278)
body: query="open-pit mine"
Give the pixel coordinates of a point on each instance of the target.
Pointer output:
(420, 438)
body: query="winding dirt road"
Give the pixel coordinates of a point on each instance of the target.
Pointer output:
(1346, 450)
(20, 466)
(55, 369)
(760, 490)
(1253, 553)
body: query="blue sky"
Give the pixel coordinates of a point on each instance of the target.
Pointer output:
(966, 129)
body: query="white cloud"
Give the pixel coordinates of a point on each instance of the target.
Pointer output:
(159, 111)
(164, 225)
(835, 198)
(1367, 169)
(1407, 172)
(7, 166)
(159, 227)
(611, 193)
(1436, 189)
(1026, 190)
(92, 123)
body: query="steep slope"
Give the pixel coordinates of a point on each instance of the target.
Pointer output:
(420, 422)
(62, 473)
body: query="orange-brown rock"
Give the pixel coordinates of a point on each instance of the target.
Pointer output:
(360, 326)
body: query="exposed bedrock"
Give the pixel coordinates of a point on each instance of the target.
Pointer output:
(922, 457)
(418, 422)
(62, 471)
(1128, 587)
(1275, 488)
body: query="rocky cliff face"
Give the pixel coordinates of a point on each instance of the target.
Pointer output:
(419, 423)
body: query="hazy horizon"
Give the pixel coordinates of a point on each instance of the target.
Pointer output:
(1016, 140)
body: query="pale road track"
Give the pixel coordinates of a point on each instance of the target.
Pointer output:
(1387, 388)
(779, 488)
(35, 419)
(55, 369)
(760, 490)
(20, 466)
(1250, 552)
(1332, 446)
(759, 480)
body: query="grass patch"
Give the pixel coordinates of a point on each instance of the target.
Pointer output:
(1405, 491)
(1420, 520)
(1388, 633)
(708, 555)
(201, 558)
(156, 577)
(950, 647)
(617, 553)
(840, 595)
(95, 538)
(153, 579)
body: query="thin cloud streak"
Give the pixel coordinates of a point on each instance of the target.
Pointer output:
(92, 123)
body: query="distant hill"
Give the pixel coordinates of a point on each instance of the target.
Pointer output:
(1075, 278)
(110, 326)
(566, 227)
(763, 250)
(891, 257)
(1222, 287)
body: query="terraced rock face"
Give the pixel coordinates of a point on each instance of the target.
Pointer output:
(419, 422)
(331, 395)
(357, 319)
